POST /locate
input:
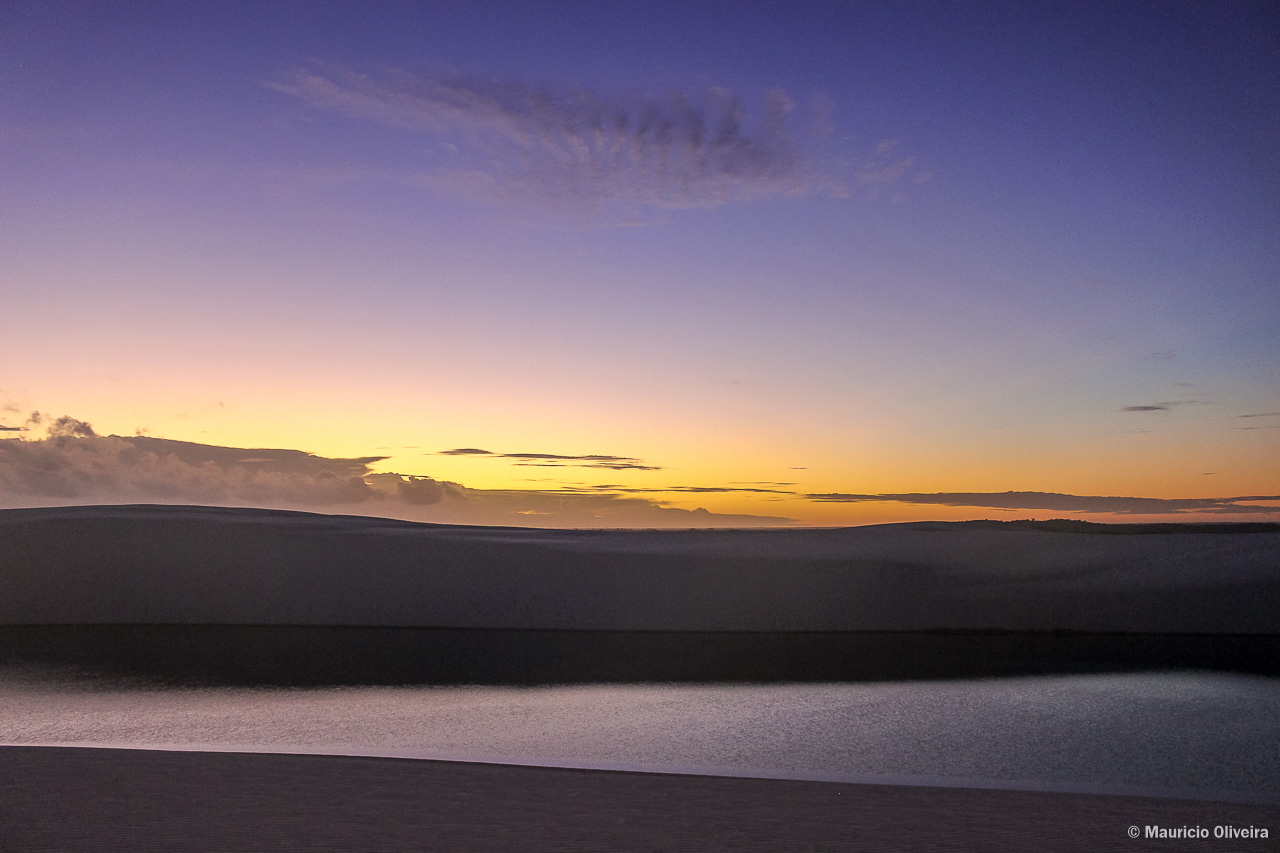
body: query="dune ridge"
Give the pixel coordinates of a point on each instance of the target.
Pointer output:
(205, 565)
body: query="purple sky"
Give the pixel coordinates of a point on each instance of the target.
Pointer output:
(866, 249)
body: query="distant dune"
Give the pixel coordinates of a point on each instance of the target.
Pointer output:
(198, 565)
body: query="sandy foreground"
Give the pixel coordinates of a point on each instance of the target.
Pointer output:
(114, 800)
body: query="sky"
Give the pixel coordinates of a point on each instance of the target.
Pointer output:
(643, 264)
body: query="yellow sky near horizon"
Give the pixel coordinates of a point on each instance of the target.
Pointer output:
(1150, 464)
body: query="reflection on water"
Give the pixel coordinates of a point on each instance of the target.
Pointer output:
(1197, 733)
(319, 656)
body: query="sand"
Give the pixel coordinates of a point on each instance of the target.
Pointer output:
(194, 565)
(206, 620)
(113, 800)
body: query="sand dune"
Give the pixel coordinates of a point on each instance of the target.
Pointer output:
(97, 799)
(172, 564)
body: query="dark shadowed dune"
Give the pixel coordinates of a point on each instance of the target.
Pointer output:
(72, 800)
(235, 596)
(193, 565)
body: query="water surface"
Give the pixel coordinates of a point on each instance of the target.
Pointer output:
(1213, 736)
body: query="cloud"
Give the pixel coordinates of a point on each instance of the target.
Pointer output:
(1165, 405)
(67, 426)
(72, 464)
(417, 491)
(1067, 503)
(558, 460)
(710, 489)
(611, 466)
(698, 490)
(508, 139)
(1261, 415)
(559, 508)
(10, 429)
(1168, 405)
(885, 173)
(560, 456)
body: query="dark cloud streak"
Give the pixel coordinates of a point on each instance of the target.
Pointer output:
(560, 460)
(1165, 405)
(709, 490)
(1064, 503)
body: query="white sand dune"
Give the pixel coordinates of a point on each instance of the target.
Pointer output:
(190, 565)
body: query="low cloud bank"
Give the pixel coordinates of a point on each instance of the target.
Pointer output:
(72, 464)
(1068, 503)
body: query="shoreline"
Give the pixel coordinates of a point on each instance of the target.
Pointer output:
(1046, 786)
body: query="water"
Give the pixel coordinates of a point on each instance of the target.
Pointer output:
(1213, 736)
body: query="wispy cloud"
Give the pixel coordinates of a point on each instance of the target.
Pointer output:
(1164, 406)
(609, 466)
(709, 489)
(1258, 415)
(558, 460)
(505, 138)
(696, 490)
(1067, 503)
(73, 464)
